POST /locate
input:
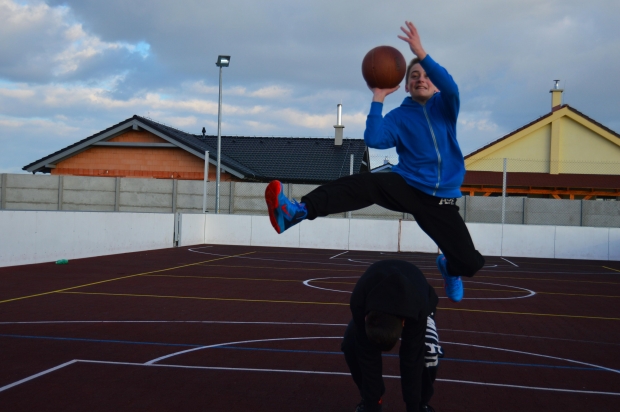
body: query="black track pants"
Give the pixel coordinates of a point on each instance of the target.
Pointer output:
(431, 360)
(438, 218)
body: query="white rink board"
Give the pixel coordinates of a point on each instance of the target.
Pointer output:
(46, 236)
(614, 244)
(263, 234)
(228, 229)
(192, 229)
(582, 243)
(375, 235)
(413, 239)
(323, 233)
(529, 241)
(487, 238)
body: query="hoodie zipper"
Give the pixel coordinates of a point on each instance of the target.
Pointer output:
(436, 150)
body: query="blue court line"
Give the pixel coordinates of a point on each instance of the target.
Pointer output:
(282, 351)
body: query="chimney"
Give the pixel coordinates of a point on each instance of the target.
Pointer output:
(338, 127)
(556, 96)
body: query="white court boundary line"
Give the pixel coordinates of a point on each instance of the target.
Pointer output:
(29, 378)
(532, 293)
(339, 254)
(296, 372)
(513, 264)
(339, 337)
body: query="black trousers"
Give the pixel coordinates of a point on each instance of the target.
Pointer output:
(438, 218)
(431, 359)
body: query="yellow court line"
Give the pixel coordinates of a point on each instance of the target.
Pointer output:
(615, 270)
(123, 277)
(326, 303)
(294, 268)
(225, 278)
(203, 298)
(529, 313)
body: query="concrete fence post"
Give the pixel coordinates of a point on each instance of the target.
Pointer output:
(231, 198)
(3, 180)
(61, 183)
(175, 186)
(117, 195)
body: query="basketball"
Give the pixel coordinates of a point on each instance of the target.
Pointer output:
(383, 67)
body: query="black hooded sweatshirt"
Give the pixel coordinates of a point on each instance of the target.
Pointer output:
(398, 288)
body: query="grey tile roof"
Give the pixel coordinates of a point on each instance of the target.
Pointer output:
(293, 160)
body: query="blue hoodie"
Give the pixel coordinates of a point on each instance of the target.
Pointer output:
(424, 136)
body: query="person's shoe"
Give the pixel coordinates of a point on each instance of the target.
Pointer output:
(453, 285)
(427, 408)
(283, 213)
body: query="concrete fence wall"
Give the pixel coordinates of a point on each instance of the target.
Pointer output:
(28, 237)
(77, 193)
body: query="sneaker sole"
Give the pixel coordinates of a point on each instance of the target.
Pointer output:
(272, 192)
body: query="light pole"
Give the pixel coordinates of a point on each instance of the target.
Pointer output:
(222, 61)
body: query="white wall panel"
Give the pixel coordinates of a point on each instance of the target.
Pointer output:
(487, 238)
(228, 229)
(323, 233)
(413, 239)
(54, 238)
(17, 233)
(48, 236)
(192, 229)
(582, 243)
(378, 235)
(614, 244)
(529, 241)
(263, 234)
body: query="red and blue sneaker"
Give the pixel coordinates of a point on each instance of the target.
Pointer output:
(283, 212)
(453, 285)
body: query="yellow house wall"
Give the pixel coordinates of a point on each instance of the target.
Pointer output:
(584, 151)
(530, 153)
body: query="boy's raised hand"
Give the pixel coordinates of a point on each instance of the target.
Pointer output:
(413, 38)
(378, 95)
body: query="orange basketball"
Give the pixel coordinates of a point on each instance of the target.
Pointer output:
(383, 67)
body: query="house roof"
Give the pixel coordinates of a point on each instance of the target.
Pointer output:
(577, 112)
(295, 160)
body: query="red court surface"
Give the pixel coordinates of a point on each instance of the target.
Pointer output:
(232, 328)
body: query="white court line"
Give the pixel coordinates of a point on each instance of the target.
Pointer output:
(29, 378)
(338, 337)
(346, 251)
(510, 262)
(531, 292)
(172, 321)
(235, 343)
(300, 372)
(533, 354)
(278, 260)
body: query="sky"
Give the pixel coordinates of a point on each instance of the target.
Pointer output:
(71, 68)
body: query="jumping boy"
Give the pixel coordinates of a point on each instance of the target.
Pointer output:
(425, 182)
(393, 300)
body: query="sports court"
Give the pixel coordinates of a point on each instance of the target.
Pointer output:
(244, 328)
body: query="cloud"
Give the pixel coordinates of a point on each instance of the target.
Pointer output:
(41, 43)
(84, 65)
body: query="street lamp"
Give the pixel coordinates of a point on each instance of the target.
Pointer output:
(222, 61)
